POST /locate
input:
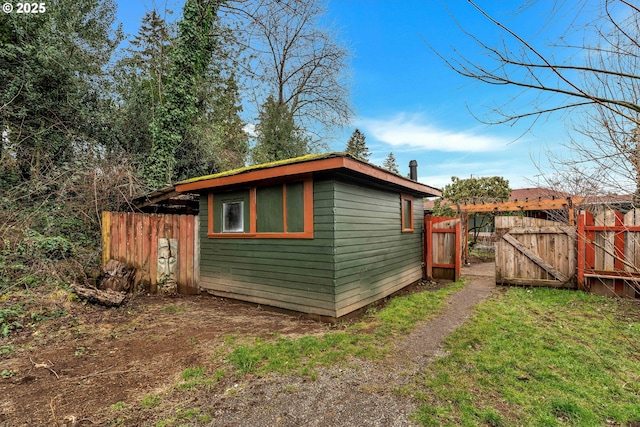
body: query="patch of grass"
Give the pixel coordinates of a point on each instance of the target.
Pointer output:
(118, 406)
(195, 377)
(172, 309)
(482, 253)
(204, 418)
(302, 355)
(192, 373)
(401, 314)
(150, 401)
(538, 357)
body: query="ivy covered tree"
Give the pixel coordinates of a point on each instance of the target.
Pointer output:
(390, 163)
(217, 140)
(357, 146)
(277, 136)
(190, 60)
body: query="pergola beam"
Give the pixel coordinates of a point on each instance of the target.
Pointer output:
(529, 205)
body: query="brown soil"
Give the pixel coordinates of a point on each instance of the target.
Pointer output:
(70, 371)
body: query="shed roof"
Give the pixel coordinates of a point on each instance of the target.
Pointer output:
(303, 165)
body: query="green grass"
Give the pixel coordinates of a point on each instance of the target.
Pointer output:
(150, 401)
(538, 357)
(303, 355)
(195, 377)
(483, 254)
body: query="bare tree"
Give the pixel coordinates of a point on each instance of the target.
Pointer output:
(290, 56)
(597, 80)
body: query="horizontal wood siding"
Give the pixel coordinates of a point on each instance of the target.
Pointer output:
(294, 274)
(373, 257)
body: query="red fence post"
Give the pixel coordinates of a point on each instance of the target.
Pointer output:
(458, 255)
(618, 251)
(428, 244)
(581, 250)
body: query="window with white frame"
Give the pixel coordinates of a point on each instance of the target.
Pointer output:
(233, 217)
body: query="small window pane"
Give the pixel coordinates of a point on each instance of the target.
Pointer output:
(295, 207)
(269, 210)
(407, 214)
(233, 217)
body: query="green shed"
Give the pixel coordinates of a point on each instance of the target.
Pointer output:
(320, 234)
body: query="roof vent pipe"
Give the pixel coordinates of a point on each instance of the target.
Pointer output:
(413, 170)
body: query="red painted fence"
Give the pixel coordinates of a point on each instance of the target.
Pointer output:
(609, 253)
(442, 247)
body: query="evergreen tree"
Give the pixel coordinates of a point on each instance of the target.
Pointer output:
(357, 146)
(277, 137)
(139, 79)
(390, 163)
(52, 82)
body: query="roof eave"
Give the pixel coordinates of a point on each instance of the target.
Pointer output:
(316, 165)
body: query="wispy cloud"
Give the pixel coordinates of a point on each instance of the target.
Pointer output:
(404, 130)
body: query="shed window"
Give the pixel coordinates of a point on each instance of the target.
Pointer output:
(406, 213)
(282, 210)
(233, 217)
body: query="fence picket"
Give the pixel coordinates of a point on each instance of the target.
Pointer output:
(133, 238)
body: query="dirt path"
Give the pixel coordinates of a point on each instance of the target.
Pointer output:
(363, 393)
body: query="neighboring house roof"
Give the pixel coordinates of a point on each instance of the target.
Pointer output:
(306, 164)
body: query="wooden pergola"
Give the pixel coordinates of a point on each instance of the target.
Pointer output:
(567, 204)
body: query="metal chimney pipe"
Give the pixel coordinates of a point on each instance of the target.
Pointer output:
(413, 170)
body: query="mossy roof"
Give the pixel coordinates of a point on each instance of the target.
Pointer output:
(267, 165)
(317, 162)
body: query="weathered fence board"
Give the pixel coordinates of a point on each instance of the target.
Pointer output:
(609, 253)
(536, 252)
(443, 247)
(136, 239)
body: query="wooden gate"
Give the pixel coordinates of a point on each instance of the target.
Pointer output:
(158, 246)
(536, 252)
(442, 247)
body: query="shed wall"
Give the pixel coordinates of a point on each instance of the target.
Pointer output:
(374, 258)
(294, 274)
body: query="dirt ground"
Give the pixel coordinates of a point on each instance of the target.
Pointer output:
(73, 370)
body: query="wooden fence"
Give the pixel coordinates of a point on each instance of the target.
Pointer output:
(161, 247)
(609, 253)
(532, 251)
(443, 247)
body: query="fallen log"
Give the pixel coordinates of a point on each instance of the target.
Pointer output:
(106, 297)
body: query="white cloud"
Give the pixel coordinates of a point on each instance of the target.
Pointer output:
(250, 129)
(415, 132)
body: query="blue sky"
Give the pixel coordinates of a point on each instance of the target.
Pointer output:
(408, 102)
